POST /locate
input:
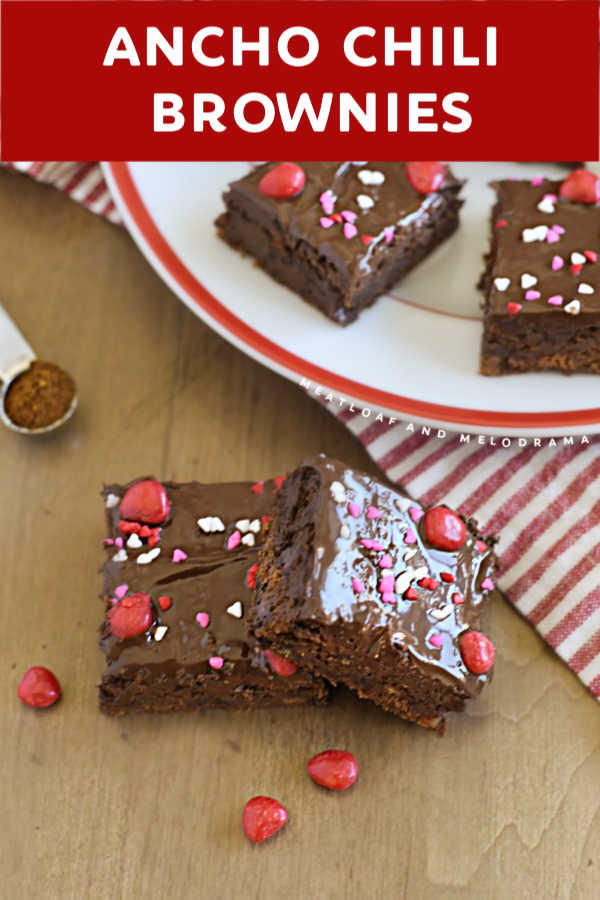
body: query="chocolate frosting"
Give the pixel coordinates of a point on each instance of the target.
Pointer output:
(396, 206)
(513, 257)
(339, 556)
(210, 580)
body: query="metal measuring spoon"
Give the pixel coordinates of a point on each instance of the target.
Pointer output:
(16, 356)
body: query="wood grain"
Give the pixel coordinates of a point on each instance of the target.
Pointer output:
(505, 806)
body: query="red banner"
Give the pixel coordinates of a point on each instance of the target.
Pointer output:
(166, 79)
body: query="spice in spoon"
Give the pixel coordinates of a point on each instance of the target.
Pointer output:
(40, 396)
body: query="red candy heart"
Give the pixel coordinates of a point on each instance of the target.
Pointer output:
(425, 177)
(38, 687)
(477, 651)
(280, 666)
(131, 616)
(283, 181)
(165, 603)
(513, 308)
(444, 529)
(581, 186)
(146, 501)
(411, 594)
(262, 817)
(336, 770)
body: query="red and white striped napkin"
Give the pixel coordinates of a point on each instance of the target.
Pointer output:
(544, 502)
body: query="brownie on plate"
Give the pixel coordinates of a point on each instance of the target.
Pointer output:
(341, 233)
(363, 586)
(178, 578)
(542, 280)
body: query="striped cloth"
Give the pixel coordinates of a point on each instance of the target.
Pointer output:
(542, 501)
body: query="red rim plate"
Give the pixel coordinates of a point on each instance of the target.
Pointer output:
(404, 407)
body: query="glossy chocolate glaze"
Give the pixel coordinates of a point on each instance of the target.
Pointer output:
(210, 580)
(511, 256)
(336, 555)
(397, 206)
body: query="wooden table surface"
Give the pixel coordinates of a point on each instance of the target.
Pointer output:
(506, 805)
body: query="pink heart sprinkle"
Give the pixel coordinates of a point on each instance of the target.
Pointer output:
(327, 202)
(415, 513)
(532, 295)
(436, 640)
(348, 216)
(354, 510)
(350, 230)
(234, 540)
(410, 537)
(373, 512)
(113, 600)
(388, 598)
(216, 662)
(203, 619)
(108, 542)
(121, 590)
(557, 263)
(481, 546)
(325, 222)
(119, 542)
(371, 544)
(558, 229)
(357, 585)
(487, 584)
(552, 236)
(179, 555)
(555, 300)
(388, 234)
(539, 179)
(385, 562)
(386, 585)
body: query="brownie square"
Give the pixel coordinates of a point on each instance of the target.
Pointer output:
(541, 283)
(352, 232)
(178, 578)
(350, 587)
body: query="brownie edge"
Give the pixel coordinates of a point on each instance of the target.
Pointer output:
(323, 593)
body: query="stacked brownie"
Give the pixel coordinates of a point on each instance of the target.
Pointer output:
(356, 585)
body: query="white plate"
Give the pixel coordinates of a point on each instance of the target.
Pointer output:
(413, 355)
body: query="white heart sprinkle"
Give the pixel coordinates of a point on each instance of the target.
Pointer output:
(501, 284)
(538, 233)
(111, 500)
(585, 288)
(235, 610)
(578, 258)
(528, 280)
(338, 491)
(344, 531)
(134, 541)
(371, 176)
(573, 308)
(210, 524)
(442, 613)
(546, 205)
(145, 558)
(160, 632)
(364, 201)
(386, 572)
(255, 525)
(120, 556)
(409, 555)
(248, 540)
(243, 525)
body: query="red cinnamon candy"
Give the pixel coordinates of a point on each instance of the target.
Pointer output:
(283, 181)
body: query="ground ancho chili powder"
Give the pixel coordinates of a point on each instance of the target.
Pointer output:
(40, 396)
